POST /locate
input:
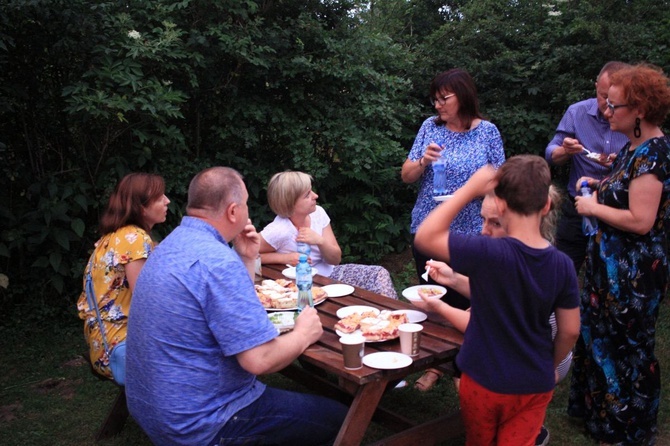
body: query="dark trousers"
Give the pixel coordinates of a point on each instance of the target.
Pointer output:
(570, 238)
(452, 297)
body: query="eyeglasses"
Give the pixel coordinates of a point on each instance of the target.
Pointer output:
(442, 100)
(611, 107)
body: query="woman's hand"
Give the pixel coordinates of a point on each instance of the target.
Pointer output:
(307, 235)
(586, 205)
(294, 257)
(413, 170)
(592, 182)
(432, 153)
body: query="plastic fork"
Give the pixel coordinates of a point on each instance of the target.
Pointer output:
(424, 276)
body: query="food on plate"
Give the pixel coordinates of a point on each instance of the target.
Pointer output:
(283, 294)
(352, 322)
(428, 292)
(318, 294)
(381, 327)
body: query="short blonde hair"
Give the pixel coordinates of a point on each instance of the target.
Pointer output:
(285, 188)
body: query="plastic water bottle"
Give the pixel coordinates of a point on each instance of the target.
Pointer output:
(440, 176)
(303, 278)
(304, 248)
(589, 224)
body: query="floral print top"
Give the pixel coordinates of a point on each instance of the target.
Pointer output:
(616, 381)
(465, 153)
(107, 267)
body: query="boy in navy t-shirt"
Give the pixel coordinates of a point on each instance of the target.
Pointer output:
(508, 358)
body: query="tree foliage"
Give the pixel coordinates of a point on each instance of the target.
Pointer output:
(91, 90)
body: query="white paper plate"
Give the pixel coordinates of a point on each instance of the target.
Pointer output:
(413, 316)
(295, 308)
(338, 289)
(387, 360)
(412, 294)
(289, 273)
(442, 197)
(346, 311)
(360, 333)
(283, 320)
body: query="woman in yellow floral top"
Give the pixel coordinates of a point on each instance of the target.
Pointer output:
(136, 205)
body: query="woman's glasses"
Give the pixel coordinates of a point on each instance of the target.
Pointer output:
(611, 107)
(442, 100)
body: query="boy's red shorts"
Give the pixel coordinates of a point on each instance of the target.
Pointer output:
(500, 419)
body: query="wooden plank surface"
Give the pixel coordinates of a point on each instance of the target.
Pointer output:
(365, 387)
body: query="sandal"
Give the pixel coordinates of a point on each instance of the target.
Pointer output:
(428, 380)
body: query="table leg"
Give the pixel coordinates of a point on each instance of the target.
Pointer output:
(360, 413)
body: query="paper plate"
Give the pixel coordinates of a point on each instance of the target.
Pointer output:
(346, 311)
(413, 316)
(316, 302)
(283, 320)
(289, 273)
(412, 293)
(338, 289)
(387, 360)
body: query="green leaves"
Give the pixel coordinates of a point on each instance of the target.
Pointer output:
(90, 91)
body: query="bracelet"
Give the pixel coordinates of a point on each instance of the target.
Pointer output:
(421, 161)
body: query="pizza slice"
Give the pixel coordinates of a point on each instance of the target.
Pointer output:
(428, 292)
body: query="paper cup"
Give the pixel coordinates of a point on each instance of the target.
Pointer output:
(258, 271)
(410, 338)
(353, 348)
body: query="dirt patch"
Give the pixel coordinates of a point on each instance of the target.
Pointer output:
(61, 386)
(8, 413)
(396, 263)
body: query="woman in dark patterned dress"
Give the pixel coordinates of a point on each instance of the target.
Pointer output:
(615, 383)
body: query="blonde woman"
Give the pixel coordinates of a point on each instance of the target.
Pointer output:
(300, 219)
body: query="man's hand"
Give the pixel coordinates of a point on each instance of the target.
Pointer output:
(247, 242)
(308, 325)
(572, 146)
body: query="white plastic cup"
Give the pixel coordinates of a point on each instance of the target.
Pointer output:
(410, 338)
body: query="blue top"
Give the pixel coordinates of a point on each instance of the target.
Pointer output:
(507, 346)
(194, 308)
(465, 152)
(584, 122)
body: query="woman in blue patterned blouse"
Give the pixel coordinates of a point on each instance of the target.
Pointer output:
(466, 141)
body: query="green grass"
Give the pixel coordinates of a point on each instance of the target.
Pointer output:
(49, 397)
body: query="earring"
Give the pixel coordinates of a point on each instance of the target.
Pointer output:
(636, 130)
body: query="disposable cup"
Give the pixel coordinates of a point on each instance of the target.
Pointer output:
(353, 349)
(258, 270)
(410, 338)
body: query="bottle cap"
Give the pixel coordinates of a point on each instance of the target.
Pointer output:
(585, 183)
(302, 258)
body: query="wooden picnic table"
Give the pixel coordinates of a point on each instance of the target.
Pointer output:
(364, 388)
